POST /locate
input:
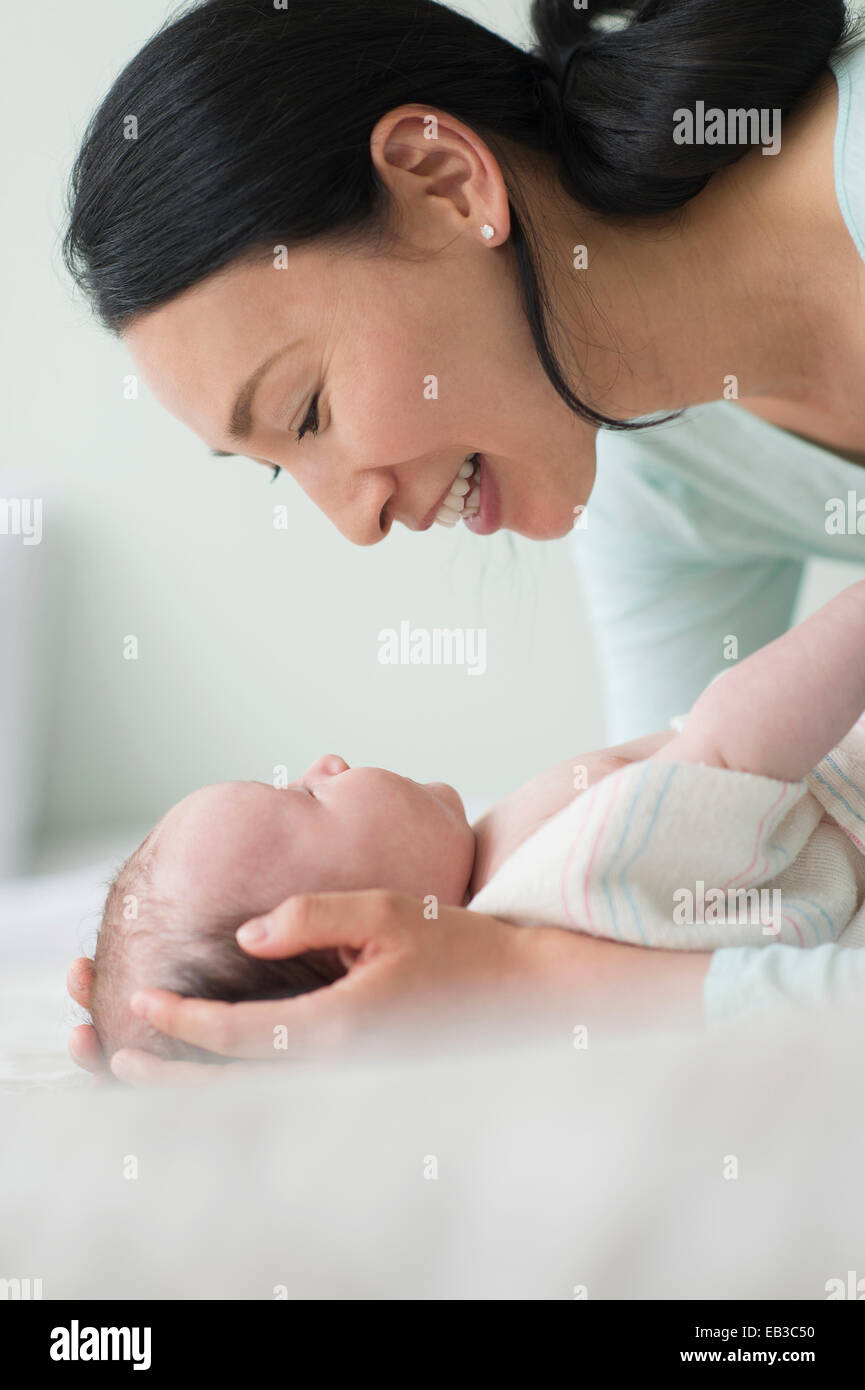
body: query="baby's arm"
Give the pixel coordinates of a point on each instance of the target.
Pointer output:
(512, 820)
(787, 706)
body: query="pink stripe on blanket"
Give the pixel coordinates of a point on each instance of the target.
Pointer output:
(795, 926)
(849, 833)
(569, 857)
(746, 872)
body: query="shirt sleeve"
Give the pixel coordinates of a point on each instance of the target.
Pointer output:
(744, 981)
(674, 582)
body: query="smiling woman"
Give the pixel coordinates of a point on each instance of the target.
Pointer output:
(332, 220)
(420, 268)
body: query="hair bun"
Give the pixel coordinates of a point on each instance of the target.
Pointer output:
(625, 70)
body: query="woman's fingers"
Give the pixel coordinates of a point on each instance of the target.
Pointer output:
(84, 1048)
(312, 1024)
(138, 1068)
(275, 1029)
(79, 981)
(400, 965)
(311, 921)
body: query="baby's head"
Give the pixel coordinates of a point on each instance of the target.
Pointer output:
(237, 849)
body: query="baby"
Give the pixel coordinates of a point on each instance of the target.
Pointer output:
(764, 796)
(232, 851)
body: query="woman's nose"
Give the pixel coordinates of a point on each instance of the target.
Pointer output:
(362, 523)
(364, 513)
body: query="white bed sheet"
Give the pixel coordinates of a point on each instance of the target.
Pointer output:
(45, 921)
(558, 1169)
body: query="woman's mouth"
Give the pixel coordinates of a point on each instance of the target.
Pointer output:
(487, 517)
(463, 498)
(472, 497)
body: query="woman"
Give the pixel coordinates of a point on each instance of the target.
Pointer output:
(390, 236)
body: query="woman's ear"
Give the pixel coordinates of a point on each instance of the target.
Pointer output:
(433, 163)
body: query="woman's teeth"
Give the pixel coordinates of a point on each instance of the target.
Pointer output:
(464, 496)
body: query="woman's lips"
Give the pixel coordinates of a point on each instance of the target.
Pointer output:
(489, 518)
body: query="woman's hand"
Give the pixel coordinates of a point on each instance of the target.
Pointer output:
(83, 1043)
(128, 1063)
(402, 967)
(399, 964)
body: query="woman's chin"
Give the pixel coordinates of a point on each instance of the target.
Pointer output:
(545, 528)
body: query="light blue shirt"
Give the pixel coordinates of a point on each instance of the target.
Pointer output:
(698, 531)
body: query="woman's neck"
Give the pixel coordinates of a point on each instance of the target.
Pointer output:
(755, 291)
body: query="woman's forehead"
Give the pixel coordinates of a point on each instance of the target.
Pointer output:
(198, 351)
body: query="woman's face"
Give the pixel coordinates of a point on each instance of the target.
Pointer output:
(419, 357)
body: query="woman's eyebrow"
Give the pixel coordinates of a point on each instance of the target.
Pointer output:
(240, 422)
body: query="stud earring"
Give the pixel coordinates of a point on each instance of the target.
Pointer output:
(487, 231)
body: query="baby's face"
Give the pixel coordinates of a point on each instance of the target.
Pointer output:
(242, 847)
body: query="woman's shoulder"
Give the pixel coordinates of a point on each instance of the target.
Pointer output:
(717, 479)
(849, 57)
(848, 65)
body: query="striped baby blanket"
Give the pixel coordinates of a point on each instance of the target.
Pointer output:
(688, 857)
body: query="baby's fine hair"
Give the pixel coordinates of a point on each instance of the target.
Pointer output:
(145, 939)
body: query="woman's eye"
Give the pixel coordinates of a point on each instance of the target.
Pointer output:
(310, 424)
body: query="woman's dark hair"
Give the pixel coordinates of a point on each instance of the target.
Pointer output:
(245, 124)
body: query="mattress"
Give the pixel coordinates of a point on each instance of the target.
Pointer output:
(45, 921)
(511, 1166)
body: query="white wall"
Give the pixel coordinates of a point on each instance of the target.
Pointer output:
(257, 647)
